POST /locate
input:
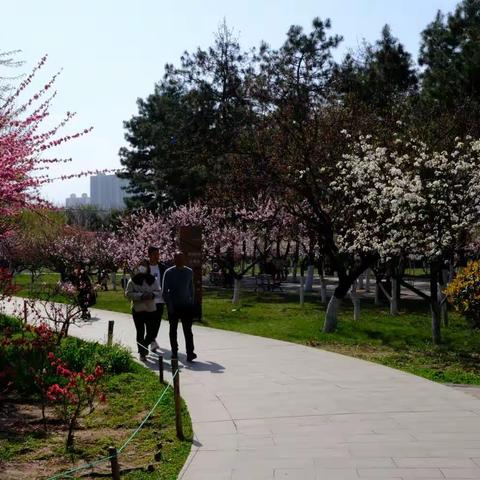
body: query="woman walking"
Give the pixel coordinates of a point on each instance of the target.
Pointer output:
(86, 296)
(142, 289)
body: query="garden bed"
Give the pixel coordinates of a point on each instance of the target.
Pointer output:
(27, 450)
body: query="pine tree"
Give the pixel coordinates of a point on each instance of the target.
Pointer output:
(450, 55)
(379, 75)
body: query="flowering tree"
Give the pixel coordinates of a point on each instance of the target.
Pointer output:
(22, 146)
(72, 245)
(74, 396)
(238, 229)
(409, 201)
(136, 232)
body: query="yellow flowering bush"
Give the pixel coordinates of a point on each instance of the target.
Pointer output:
(464, 293)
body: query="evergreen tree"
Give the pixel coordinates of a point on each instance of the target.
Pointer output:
(379, 75)
(450, 55)
(186, 129)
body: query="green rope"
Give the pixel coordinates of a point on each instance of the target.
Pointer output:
(132, 436)
(68, 473)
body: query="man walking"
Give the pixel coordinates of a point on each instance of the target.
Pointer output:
(157, 269)
(178, 295)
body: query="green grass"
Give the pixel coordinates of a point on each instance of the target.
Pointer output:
(403, 342)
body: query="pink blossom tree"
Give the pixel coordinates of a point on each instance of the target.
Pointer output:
(24, 146)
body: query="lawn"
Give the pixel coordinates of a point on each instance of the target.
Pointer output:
(131, 390)
(402, 342)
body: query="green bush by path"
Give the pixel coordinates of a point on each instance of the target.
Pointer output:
(81, 355)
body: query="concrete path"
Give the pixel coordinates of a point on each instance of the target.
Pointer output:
(265, 409)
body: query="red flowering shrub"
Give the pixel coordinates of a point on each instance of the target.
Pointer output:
(7, 287)
(29, 365)
(75, 395)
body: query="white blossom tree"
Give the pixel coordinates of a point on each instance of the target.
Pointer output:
(409, 201)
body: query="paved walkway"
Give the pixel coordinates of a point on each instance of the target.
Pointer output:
(266, 409)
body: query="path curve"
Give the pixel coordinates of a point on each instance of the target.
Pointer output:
(267, 409)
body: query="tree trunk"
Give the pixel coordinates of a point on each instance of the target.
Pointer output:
(377, 294)
(394, 297)
(295, 262)
(309, 281)
(367, 280)
(331, 315)
(445, 275)
(44, 418)
(435, 307)
(236, 291)
(244, 254)
(113, 278)
(302, 290)
(323, 290)
(70, 436)
(345, 282)
(356, 307)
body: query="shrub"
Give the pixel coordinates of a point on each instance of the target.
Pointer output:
(75, 395)
(30, 363)
(86, 355)
(464, 293)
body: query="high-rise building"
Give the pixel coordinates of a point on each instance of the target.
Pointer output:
(107, 192)
(73, 201)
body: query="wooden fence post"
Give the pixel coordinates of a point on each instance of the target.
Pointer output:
(178, 404)
(110, 332)
(160, 368)
(25, 311)
(112, 453)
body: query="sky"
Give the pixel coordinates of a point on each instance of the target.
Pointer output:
(112, 52)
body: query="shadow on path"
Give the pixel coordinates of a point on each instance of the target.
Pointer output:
(195, 366)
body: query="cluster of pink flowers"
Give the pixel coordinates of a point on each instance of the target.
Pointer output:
(259, 224)
(80, 386)
(20, 146)
(67, 288)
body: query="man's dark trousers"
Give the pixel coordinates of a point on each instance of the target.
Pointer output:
(185, 314)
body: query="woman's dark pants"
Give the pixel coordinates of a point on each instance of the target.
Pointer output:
(146, 331)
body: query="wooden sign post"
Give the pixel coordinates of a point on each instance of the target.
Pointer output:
(191, 245)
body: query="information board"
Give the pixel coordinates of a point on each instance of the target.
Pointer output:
(190, 241)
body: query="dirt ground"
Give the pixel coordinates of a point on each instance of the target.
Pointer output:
(38, 458)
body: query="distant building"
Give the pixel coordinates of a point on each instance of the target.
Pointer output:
(107, 192)
(73, 201)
